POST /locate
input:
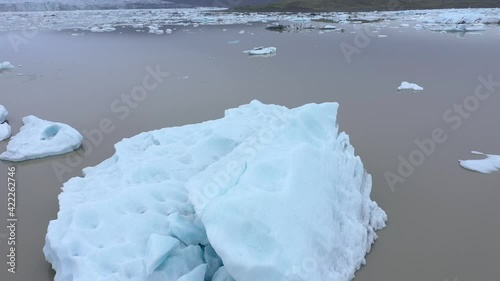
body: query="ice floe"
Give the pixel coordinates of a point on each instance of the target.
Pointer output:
(6, 66)
(328, 27)
(40, 138)
(409, 86)
(5, 131)
(3, 114)
(261, 51)
(251, 196)
(489, 164)
(105, 20)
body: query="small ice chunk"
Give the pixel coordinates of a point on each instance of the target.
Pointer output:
(409, 86)
(3, 113)
(487, 165)
(262, 51)
(169, 31)
(381, 36)
(242, 32)
(40, 138)
(329, 27)
(5, 131)
(6, 65)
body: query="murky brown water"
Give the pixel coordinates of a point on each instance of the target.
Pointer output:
(443, 220)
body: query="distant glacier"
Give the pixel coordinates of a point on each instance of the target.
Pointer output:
(60, 5)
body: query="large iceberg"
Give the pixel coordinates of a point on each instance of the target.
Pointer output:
(40, 138)
(266, 193)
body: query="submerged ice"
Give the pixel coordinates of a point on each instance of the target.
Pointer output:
(40, 138)
(247, 197)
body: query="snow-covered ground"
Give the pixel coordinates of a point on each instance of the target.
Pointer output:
(409, 86)
(487, 165)
(40, 138)
(454, 20)
(255, 195)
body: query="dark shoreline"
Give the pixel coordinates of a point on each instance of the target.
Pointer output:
(360, 6)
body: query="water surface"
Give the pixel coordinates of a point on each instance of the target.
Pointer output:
(443, 220)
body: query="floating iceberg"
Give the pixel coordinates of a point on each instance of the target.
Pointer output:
(487, 165)
(39, 138)
(253, 196)
(260, 51)
(3, 114)
(5, 131)
(6, 66)
(328, 27)
(409, 86)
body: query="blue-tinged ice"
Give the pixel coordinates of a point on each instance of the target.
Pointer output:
(40, 138)
(266, 193)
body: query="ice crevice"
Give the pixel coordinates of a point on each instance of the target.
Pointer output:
(222, 200)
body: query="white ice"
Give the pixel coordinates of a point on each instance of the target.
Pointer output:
(6, 65)
(455, 20)
(409, 86)
(487, 165)
(3, 114)
(40, 138)
(259, 51)
(326, 27)
(248, 197)
(5, 131)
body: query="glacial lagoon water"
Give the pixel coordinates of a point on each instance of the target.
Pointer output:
(443, 219)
